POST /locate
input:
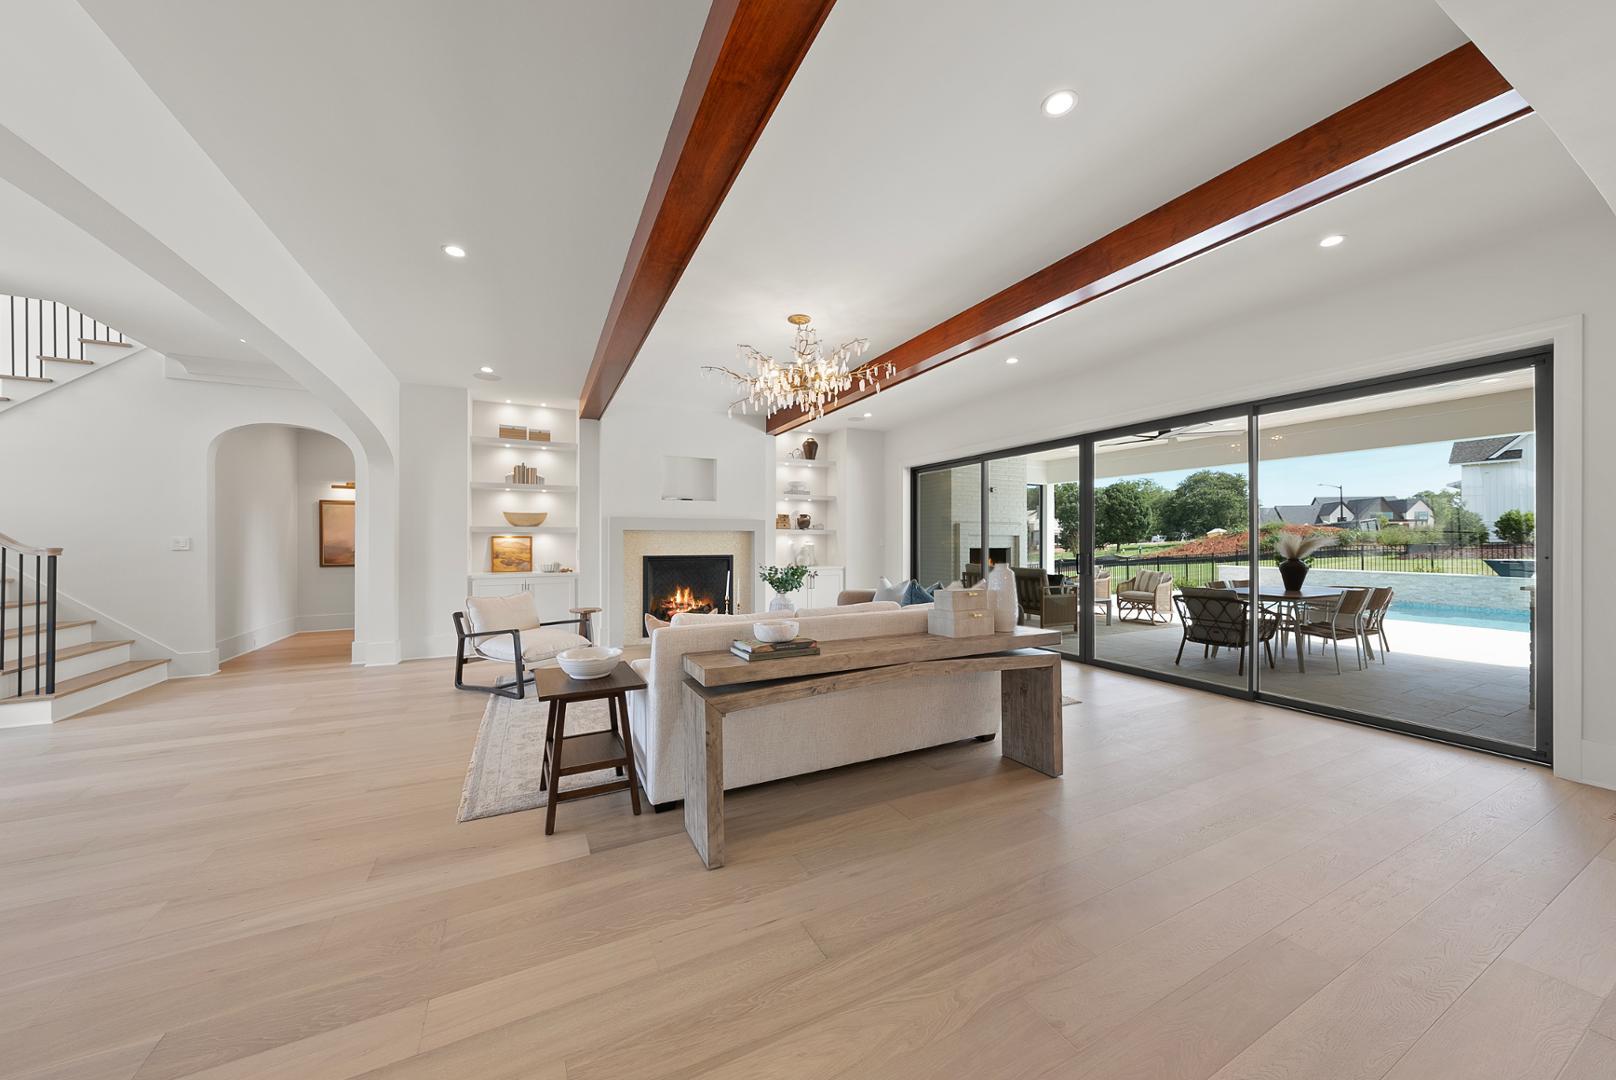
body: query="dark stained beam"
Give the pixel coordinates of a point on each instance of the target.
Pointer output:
(1453, 98)
(748, 52)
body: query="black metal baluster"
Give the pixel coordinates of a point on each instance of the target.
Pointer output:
(37, 626)
(19, 623)
(4, 599)
(50, 627)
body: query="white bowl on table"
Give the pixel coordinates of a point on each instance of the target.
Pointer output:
(589, 661)
(774, 631)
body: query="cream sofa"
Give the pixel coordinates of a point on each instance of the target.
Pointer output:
(803, 736)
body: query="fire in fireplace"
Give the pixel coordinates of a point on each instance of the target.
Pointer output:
(699, 583)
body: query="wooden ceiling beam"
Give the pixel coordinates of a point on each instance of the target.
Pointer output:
(748, 52)
(1453, 98)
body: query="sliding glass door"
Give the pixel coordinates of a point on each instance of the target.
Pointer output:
(1369, 553)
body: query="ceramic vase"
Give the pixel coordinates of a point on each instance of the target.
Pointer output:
(1292, 572)
(781, 602)
(810, 448)
(1001, 585)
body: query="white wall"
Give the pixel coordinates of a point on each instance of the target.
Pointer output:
(1505, 292)
(325, 594)
(433, 508)
(122, 461)
(255, 537)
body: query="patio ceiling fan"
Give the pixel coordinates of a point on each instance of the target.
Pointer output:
(1172, 434)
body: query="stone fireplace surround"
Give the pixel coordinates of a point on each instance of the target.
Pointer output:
(632, 538)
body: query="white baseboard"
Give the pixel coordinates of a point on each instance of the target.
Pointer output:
(314, 624)
(428, 646)
(376, 653)
(253, 640)
(1598, 765)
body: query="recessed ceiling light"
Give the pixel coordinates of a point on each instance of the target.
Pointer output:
(1060, 103)
(868, 415)
(1332, 240)
(1012, 359)
(544, 405)
(454, 251)
(486, 370)
(242, 340)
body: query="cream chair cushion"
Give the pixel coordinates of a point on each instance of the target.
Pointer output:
(518, 611)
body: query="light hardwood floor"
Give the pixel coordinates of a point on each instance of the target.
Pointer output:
(259, 875)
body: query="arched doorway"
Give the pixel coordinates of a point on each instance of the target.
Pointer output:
(283, 535)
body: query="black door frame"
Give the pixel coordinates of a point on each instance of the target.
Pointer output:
(1539, 359)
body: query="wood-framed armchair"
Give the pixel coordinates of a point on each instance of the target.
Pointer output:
(1146, 595)
(1218, 619)
(507, 630)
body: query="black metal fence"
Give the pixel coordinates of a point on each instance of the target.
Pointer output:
(1502, 560)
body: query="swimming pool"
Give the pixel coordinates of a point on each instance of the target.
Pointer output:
(1488, 618)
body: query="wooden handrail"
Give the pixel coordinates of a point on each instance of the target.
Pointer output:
(26, 549)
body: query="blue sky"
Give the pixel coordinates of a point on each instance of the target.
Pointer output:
(1395, 471)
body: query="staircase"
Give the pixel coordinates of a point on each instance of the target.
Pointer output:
(45, 343)
(52, 668)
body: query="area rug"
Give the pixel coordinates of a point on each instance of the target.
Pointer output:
(509, 756)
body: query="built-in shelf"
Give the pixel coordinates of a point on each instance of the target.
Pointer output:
(523, 574)
(804, 463)
(783, 534)
(517, 530)
(495, 485)
(806, 498)
(521, 444)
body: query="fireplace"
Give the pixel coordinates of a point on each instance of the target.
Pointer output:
(698, 583)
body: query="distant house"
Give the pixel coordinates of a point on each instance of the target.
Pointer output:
(1497, 473)
(1368, 513)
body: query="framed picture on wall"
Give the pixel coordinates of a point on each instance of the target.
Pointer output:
(510, 554)
(336, 532)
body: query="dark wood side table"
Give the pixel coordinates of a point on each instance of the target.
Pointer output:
(567, 754)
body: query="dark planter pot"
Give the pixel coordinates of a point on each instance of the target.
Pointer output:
(1292, 572)
(810, 449)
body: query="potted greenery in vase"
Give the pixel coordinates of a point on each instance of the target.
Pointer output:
(1291, 548)
(783, 580)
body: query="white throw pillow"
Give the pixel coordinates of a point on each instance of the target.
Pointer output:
(519, 611)
(888, 591)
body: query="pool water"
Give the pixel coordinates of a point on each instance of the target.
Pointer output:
(1488, 618)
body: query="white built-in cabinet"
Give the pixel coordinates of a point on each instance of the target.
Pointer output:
(554, 593)
(804, 485)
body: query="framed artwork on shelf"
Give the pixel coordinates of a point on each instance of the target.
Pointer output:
(510, 554)
(337, 532)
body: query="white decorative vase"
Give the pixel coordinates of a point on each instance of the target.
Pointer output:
(806, 554)
(781, 602)
(1001, 585)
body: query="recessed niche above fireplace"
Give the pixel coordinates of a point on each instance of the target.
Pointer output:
(687, 583)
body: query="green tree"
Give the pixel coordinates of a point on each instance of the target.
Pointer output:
(1516, 526)
(1452, 521)
(1122, 512)
(1204, 501)
(1067, 516)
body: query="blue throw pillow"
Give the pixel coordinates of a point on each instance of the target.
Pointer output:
(915, 594)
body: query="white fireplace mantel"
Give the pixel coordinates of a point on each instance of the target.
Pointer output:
(614, 631)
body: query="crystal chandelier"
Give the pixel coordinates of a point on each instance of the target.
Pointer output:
(809, 381)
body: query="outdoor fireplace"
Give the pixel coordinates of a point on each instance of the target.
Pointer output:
(698, 583)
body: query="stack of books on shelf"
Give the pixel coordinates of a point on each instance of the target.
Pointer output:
(751, 649)
(522, 474)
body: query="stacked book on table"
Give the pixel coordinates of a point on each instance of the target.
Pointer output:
(751, 649)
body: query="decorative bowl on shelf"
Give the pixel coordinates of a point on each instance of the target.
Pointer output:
(524, 520)
(774, 631)
(589, 661)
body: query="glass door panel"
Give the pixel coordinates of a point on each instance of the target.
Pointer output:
(1425, 500)
(1171, 512)
(948, 525)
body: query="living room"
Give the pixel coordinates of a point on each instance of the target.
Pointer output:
(797, 539)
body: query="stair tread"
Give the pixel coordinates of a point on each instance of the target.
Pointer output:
(65, 624)
(24, 378)
(67, 653)
(100, 341)
(65, 687)
(64, 359)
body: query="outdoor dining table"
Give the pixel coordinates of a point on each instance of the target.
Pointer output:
(1293, 599)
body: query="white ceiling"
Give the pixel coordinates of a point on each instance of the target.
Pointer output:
(368, 133)
(909, 172)
(46, 256)
(1464, 199)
